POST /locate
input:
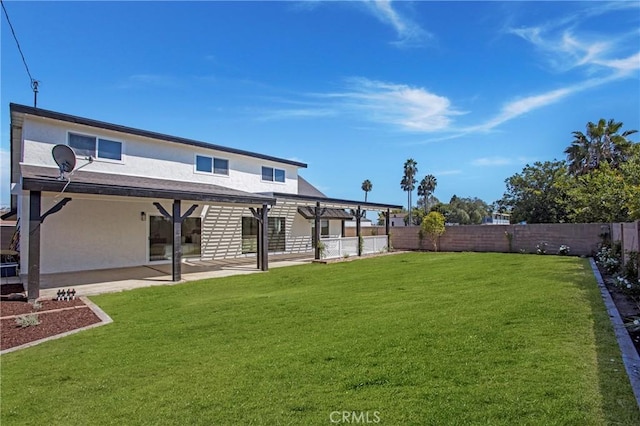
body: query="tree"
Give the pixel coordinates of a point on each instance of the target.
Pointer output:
(539, 194)
(464, 211)
(366, 187)
(426, 188)
(601, 144)
(599, 196)
(433, 226)
(408, 182)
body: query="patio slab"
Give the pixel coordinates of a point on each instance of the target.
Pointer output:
(90, 283)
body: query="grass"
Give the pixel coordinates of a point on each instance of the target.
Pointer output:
(416, 338)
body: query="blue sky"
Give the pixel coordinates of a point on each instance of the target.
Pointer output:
(472, 91)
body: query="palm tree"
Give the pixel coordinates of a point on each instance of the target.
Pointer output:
(602, 143)
(408, 182)
(366, 187)
(425, 189)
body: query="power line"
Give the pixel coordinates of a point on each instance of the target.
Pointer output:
(34, 82)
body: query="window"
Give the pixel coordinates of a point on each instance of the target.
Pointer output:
(91, 146)
(324, 227)
(272, 175)
(220, 166)
(217, 166)
(275, 234)
(204, 164)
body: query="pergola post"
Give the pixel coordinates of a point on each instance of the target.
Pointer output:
(33, 284)
(257, 214)
(316, 231)
(386, 228)
(358, 230)
(264, 239)
(176, 267)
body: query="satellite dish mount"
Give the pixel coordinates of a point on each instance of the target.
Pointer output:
(65, 158)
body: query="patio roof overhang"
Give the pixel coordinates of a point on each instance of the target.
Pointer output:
(45, 179)
(309, 212)
(334, 202)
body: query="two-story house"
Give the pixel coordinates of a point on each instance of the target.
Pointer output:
(137, 197)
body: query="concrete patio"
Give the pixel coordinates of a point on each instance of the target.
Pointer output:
(88, 283)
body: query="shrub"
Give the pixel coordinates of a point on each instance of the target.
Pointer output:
(564, 250)
(28, 320)
(541, 248)
(608, 259)
(630, 270)
(433, 226)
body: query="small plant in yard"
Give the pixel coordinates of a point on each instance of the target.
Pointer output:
(541, 248)
(608, 259)
(522, 251)
(322, 248)
(36, 305)
(564, 250)
(433, 226)
(630, 270)
(28, 320)
(509, 236)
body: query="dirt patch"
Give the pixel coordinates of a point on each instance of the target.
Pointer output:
(55, 317)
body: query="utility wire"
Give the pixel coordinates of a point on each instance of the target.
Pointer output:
(34, 83)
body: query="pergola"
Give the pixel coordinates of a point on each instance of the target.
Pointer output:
(36, 180)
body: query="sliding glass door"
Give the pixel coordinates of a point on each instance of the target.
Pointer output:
(161, 237)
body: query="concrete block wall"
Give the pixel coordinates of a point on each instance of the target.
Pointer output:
(582, 238)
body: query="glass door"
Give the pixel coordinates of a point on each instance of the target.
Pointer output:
(161, 237)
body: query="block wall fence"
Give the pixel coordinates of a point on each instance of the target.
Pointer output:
(582, 238)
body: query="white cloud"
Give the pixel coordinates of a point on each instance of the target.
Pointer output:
(409, 33)
(292, 113)
(149, 80)
(498, 161)
(447, 172)
(409, 108)
(565, 46)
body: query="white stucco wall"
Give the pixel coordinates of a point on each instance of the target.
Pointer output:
(154, 158)
(88, 234)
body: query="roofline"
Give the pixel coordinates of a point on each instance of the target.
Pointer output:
(39, 112)
(335, 201)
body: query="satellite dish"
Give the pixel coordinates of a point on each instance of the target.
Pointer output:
(65, 159)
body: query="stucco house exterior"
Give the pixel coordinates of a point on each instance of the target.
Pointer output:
(138, 197)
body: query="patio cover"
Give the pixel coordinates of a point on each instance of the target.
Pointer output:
(309, 212)
(36, 178)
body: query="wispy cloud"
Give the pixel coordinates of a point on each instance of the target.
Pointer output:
(295, 113)
(565, 45)
(566, 48)
(409, 33)
(406, 107)
(498, 161)
(448, 172)
(149, 80)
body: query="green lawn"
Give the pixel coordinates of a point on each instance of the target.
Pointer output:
(419, 338)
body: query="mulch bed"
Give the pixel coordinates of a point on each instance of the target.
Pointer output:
(627, 308)
(74, 314)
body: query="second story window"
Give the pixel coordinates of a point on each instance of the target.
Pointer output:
(91, 146)
(217, 166)
(273, 175)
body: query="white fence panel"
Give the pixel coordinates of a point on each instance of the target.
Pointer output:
(348, 246)
(374, 244)
(340, 247)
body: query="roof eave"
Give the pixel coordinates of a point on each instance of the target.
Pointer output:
(53, 115)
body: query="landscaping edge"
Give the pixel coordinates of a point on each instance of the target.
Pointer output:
(102, 315)
(630, 356)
